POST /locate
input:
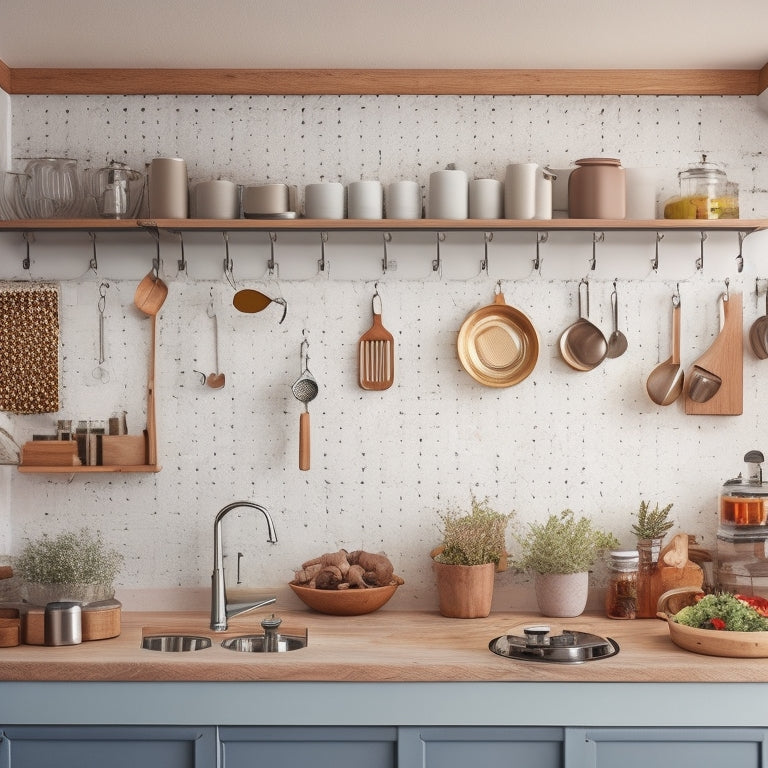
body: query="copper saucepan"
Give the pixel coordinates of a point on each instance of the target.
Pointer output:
(498, 345)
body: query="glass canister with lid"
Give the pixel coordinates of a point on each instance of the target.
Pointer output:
(705, 193)
(621, 595)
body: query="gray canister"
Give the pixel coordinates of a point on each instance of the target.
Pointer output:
(63, 623)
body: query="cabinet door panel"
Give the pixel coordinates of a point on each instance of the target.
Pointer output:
(493, 747)
(114, 747)
(317, 747)
(641, 747)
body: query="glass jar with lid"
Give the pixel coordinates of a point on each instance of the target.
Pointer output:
(621, 595)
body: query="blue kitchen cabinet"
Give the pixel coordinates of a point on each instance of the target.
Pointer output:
(62, 746)
(494, 747)
(643, 747)
(318, 747)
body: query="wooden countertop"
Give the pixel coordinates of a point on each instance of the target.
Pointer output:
(387, 646)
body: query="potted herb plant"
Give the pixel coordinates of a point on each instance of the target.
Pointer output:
(75, 565)
(465, 563)
(650, 528)
(560, 552)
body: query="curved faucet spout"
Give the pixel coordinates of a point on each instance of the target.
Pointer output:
(221, 611)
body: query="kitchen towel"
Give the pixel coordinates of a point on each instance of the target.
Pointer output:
(29, 347)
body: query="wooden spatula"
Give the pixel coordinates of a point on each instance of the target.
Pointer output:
(376, 354)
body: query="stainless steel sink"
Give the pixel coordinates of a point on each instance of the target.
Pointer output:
(266, 643)
(175, 643)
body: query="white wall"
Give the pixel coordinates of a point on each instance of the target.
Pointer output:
(384, 464)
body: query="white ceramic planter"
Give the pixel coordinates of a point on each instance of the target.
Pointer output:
(562, 594)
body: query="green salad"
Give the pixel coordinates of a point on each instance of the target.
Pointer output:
(734, 613)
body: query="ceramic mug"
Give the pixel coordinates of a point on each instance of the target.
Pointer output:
(168, 188)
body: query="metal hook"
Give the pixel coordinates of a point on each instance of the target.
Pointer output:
(181, 264)
(727, 294)
(94, 264)
(385, 260)
(541, 237)
(376, 295)
(436, 263)
(595, 240)
(228, 263)
(271, 262)
(29, 237)
(488, 236)
(655, 260)
(323, 241)
(700, 260)
(740, 257)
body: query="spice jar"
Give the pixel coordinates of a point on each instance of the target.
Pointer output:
(621, 597)
(597, 189)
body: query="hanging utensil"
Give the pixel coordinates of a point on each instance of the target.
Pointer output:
(100, 372)
(217, 379)
(758, 334)
(582, 345)
(617, 341)
(665, 382)
(716, 379)
(250, 301)
(376, 353)
(149, 298)
(304, 390)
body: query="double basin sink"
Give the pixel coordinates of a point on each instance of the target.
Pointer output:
(271, 641)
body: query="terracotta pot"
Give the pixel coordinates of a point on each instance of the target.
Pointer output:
(562, 594)
(464, 591)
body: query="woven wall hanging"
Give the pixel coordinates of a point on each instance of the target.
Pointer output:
(29, 347)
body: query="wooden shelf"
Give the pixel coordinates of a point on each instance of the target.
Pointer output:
(80, 470)
(382, 225)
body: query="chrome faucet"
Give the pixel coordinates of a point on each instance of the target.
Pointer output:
(221, 611)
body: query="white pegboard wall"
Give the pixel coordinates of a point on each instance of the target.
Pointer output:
(384, 464)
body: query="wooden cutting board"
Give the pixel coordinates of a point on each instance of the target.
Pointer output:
(725, 358)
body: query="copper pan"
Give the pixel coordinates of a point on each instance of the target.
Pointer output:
(498, 345)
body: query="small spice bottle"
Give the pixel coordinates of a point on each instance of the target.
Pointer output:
(621, 596)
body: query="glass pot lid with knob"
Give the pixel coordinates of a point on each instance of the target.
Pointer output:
(744, 499)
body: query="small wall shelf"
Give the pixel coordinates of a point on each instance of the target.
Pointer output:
(58, 470)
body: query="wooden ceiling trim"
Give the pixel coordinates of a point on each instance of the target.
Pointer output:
(703, 82)
(5, 77)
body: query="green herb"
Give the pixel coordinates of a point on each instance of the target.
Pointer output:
(69, 558)
(736, 615)
(563, 544)
(652, 524)
(476, 538)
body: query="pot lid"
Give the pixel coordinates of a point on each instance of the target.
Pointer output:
(705, 170)
(498, 345)
(568, 647)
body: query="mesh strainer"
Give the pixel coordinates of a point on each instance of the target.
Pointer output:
(304, 390)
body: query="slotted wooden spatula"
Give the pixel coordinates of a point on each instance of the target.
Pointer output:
(376, 353)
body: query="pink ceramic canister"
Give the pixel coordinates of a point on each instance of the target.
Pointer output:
(168, 188)
(597, 189)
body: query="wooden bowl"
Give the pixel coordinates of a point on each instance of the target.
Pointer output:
(344, 602)
(710, 642)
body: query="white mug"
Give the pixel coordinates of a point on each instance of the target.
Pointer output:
(520, 191)
(403, 200)
(324, 200)
(365, 200)
(216, 199)
(448, 195)
(486, 199)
